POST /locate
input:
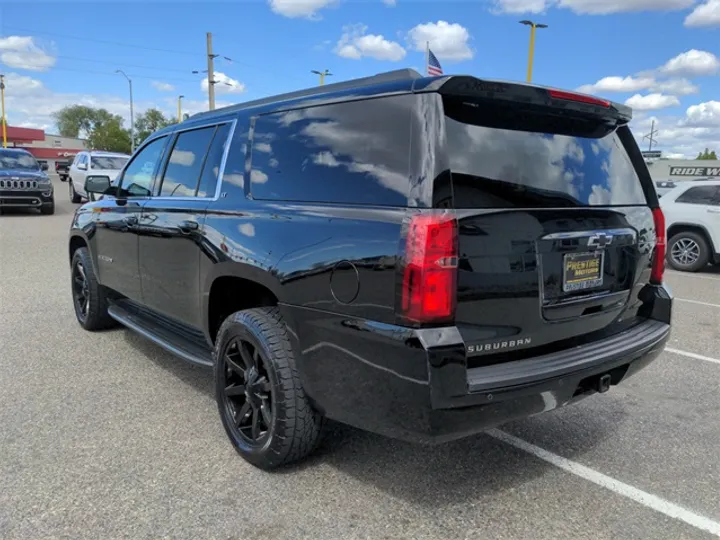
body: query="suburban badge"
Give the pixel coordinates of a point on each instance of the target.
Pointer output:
(498, 346)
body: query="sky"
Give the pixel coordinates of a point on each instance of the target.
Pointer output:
(661, 57)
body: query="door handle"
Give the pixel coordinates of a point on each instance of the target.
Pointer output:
(130, 220)
(713, 211)
(188, 226)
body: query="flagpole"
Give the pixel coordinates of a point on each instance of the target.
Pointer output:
(427, 58)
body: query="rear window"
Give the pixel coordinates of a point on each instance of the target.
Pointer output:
(502, 158)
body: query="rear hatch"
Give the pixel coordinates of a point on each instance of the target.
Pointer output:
(556, 233)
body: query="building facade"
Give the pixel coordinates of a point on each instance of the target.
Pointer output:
(679, 170)
(45, 147)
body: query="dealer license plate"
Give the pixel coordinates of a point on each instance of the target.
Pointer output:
(582, 271)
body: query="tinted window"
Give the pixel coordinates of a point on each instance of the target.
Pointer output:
(107, 162)
(182, 173)
(700, 195)
(211, 169)
(501, 158)
(233, 180)
(140, 173)
(350, 153)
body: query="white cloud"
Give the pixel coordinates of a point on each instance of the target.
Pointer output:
(356, 44)
(391, 3)
(590, 7)
(299, 8)
(223, 84)
(692, 63)
(21, 52)
(651, 102)
(604, 7)
(679, 87)
(162, 86)
(618, 84)
(703, 115)
(448, 41)
(521, 6)
(707, 14)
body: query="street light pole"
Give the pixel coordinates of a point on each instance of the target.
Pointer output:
(132, 116)
(4, 122)
(322, 75)
(531, 53)
(180, 108)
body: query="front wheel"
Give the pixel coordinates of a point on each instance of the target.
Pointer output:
(688, 251)
(48, 209)
(261, 401)
(89, 297)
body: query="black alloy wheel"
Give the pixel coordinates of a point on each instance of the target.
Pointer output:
(81, 291)
(248, 394)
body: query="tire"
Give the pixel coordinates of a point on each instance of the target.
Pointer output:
(691, 247)
(48, 209)
(294, 428)
(92, 313)
(74, 197)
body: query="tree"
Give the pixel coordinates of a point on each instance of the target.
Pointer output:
(707, 154)
(74, 119)
(110, 136)
(148, 123)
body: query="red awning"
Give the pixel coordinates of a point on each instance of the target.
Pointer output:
(24, 135)
(52, 153)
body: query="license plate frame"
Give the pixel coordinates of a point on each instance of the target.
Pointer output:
(574, 283)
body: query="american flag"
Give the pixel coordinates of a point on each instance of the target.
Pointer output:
(434, 68)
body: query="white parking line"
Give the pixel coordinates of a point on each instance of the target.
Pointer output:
(698, 303)
(646, 499)
(690, 274)
(693, 355)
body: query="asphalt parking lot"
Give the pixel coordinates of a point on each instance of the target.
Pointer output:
(106, 436)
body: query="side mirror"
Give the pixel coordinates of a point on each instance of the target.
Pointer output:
(43, 166)
(82, 167)
(97, 184)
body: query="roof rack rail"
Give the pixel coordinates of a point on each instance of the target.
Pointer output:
(385, 77)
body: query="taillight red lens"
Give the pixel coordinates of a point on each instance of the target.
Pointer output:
(430, 274)
(571, 96)
(658, 263)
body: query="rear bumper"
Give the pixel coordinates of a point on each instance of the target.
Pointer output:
(415, 384)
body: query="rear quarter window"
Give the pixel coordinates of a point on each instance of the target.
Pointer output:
(349, 153)
(500, 164)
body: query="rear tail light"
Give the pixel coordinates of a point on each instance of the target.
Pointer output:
(429, 280)
(658, 262)
(581, 98)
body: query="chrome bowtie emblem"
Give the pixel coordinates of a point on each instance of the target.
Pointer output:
(600, 240)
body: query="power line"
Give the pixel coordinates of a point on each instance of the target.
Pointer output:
(116, 43)
(111, 63)
(92, 72)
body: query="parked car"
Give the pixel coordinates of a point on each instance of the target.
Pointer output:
(692, 213)
(419, 257)
(664, 186)
(93, 163)
(62, 168)
(24, 182)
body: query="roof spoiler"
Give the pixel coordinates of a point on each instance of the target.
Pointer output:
(568, 101)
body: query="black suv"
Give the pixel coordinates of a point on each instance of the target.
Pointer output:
(24, 183)
(422, 257)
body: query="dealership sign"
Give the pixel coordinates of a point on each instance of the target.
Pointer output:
(694, 171)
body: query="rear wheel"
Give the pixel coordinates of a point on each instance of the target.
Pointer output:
(89, 297)
(262, 404)
(74, 197)
(688, 251)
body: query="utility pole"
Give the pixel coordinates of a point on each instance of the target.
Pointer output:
(322, 75)
(211, 72)
(4, 122)
(180, 108)
(651, 136)
(132, 115)
(531, 54)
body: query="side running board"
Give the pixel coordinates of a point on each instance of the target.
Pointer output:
(173, 342)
